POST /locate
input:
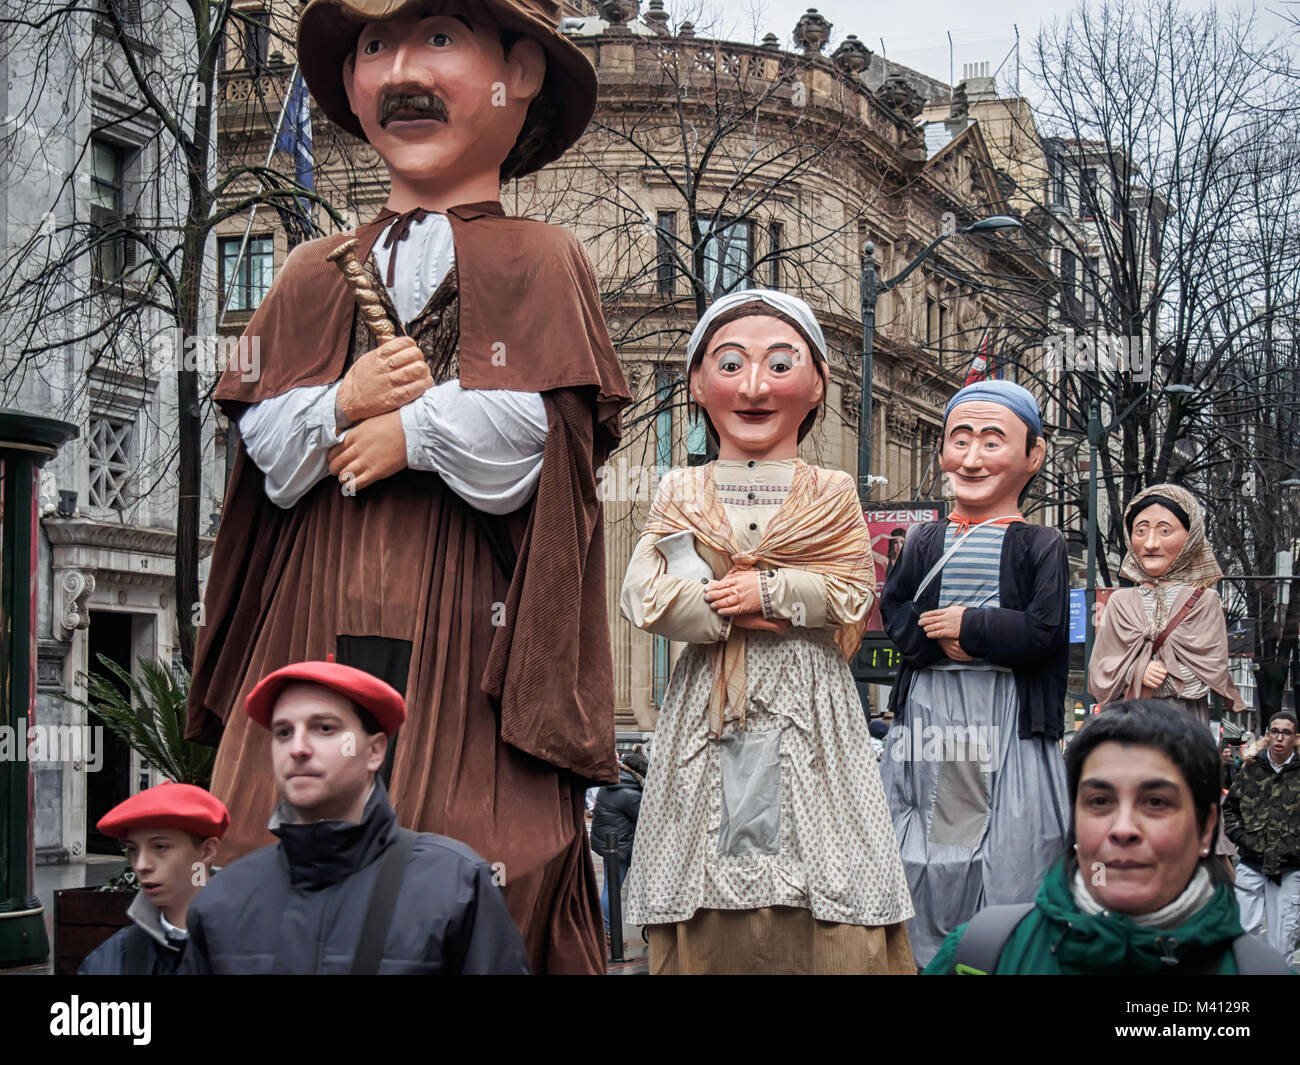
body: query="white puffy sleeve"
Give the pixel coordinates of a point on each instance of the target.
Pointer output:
(486, 444)
(289, 438)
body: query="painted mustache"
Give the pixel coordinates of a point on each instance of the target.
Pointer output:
(412, 105)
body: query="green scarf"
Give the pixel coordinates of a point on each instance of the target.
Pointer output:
(1110, 941)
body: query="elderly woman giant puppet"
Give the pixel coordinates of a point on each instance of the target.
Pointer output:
(1165, 636)
(978, 607)
(764, 842)
(424, 507)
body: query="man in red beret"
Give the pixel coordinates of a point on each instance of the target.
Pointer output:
(170, 834)
(346, 890)
(430, 502)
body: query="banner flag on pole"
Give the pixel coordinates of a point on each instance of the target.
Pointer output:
(981, 367)
(295, 139)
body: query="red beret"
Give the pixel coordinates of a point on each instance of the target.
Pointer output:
(383, 701)
(181, 806)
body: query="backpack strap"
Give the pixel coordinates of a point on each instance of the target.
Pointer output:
(382, 904)
(981, 945)
(1254, 957)
(1183, 611)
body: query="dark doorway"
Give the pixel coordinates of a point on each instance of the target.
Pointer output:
(110, 635)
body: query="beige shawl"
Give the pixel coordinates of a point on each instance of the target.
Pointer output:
(819, 527)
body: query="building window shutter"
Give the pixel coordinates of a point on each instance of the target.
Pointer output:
(130, 246)
(774, 263)
(110, 443)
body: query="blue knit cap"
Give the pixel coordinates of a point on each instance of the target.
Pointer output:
(1007, 394)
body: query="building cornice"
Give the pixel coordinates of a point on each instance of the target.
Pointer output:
(87, 553)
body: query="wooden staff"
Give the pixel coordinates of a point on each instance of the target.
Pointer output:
(372, 309)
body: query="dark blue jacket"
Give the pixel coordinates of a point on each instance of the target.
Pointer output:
(297, 906)
(1028, 633)
(140, 949)
(617, 808)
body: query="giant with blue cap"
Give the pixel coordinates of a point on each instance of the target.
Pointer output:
(1014, 397)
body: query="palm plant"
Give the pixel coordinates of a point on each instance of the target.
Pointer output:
(149, 716)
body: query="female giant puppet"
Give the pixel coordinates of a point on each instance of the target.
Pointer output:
(1165, 637)
(426, 508)
(978, 607)
(763, 842)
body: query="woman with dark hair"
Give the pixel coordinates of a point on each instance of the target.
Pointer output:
(1137, 891)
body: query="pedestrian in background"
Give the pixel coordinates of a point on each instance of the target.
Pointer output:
(1262, 817)
(1138, 890)
(1231, 764)
(879, 731)
(617, 807)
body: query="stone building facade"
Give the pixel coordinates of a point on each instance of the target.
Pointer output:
(85, 164)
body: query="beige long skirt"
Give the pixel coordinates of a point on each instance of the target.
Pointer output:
(777, 941)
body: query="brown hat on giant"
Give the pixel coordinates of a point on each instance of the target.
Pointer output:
(328, 32)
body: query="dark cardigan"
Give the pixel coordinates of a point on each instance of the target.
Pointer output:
(1028, 633)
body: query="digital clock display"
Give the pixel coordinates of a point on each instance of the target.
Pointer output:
(877, 659)
(882, 658)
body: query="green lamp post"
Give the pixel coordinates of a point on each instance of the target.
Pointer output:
(26, 442)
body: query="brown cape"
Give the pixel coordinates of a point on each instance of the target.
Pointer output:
(1124, 640)
(549, 670)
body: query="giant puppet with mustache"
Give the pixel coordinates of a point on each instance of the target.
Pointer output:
(425, 508)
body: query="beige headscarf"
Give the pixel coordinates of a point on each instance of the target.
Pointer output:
(819, 528)
(1195, 564)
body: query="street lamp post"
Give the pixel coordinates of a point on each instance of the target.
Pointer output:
(1096, 434)
(871, 288)
(1285, 559)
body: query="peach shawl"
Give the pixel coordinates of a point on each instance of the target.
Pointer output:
(819, 527)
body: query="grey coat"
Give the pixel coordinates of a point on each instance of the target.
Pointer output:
(142, 948)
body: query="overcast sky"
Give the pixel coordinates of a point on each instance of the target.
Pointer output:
(915, 31)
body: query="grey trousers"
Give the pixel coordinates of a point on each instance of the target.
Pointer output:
(979, 813)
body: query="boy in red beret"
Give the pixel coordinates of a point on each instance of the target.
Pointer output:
(346, 890)
(170, 834)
